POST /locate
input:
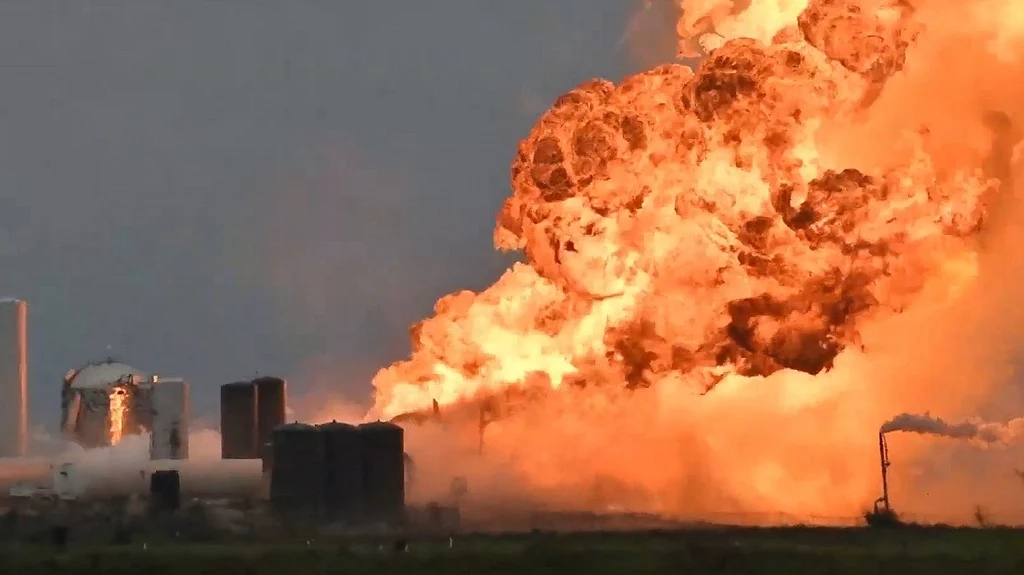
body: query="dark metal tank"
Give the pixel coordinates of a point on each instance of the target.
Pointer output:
(297, 479)
(271, 403)
(343, 471)
(238, 420)
(165, 490)
(383, 462)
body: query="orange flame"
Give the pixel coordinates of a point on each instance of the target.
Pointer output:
(118, 408)
(733, 274)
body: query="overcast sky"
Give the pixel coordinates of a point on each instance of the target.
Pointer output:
(212, 189)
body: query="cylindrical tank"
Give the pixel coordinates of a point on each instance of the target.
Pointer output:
(216, 478)
(13, 378)
(383, 461)
(165, 490)
(238, 419)
(297, 479)
(169, 437)
(343, 471)
(271, 402)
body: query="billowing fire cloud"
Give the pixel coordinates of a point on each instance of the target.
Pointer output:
(716, 268)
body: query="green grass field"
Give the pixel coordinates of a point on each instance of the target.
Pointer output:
(790, 551)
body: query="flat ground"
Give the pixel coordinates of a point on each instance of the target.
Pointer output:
(789, 551)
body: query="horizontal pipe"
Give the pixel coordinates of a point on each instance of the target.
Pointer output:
(21, 470)
(213, 478)
(228, 478)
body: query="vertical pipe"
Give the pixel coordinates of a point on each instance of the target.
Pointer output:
(13, 378)
(480, 431)
(883, 453)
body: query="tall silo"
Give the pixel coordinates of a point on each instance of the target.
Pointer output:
(170, 410)
(238, 419)
(343, 471)
(297, 478)
(13, 378)
(383, 462)
(271, 404)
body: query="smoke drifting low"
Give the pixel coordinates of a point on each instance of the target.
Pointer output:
(124, 468)
(978, 431)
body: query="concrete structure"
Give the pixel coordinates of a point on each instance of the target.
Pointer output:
(169, 433)
(13, 378)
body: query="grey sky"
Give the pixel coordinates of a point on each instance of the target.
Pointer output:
(213, 188)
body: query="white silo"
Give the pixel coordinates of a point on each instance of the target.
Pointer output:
(13, 378)
(170, 405)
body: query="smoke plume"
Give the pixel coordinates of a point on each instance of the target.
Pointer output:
(978, 431)
(733, 272)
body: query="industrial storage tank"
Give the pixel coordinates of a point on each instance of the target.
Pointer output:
(217, 478)
(383, 461)
(297, 479)
(343, 471)
(169, 438)
(238, 420)
(13, 378)
(165, 490)
(101, 402)
(271, 404)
